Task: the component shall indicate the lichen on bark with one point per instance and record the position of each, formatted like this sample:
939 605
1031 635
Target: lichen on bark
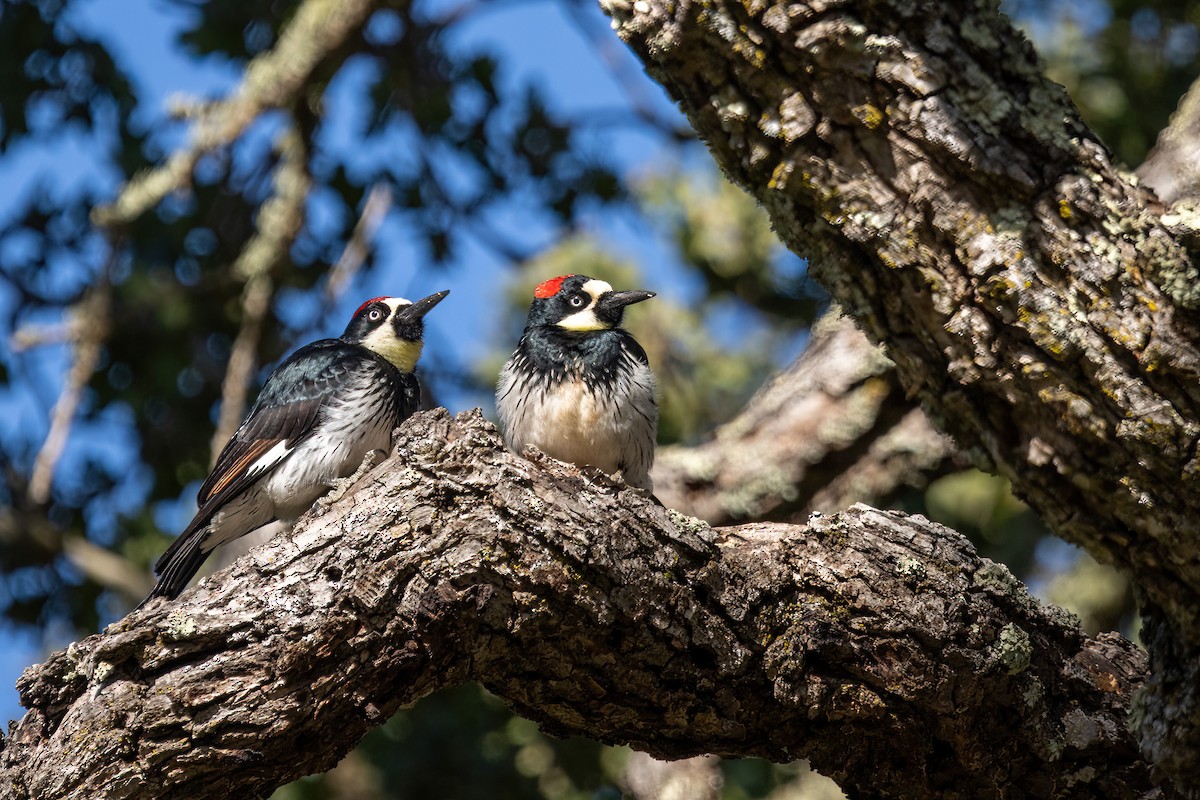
1032 294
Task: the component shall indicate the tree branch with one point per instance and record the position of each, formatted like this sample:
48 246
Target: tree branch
833 429
949 196
279 222
375 208
879 646
24 528
89 327
272 80
924 166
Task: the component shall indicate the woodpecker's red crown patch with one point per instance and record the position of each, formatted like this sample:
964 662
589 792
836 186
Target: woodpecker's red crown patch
363 307
549 288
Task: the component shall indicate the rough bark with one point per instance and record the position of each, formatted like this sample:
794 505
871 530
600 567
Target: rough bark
832 429
877 645
1034 297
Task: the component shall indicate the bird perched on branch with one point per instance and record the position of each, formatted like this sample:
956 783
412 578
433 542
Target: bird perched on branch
579 387
319 414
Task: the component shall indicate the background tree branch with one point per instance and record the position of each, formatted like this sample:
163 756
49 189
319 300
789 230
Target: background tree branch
1172 168
90 328
879 646
832 429
273 80
279 222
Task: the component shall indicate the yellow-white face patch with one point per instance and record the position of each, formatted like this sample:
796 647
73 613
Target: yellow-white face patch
585 319
383 340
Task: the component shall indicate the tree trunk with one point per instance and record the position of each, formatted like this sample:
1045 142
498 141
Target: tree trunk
879 646
1038 301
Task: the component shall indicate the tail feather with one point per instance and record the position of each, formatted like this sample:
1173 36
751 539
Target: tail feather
188 537
176 567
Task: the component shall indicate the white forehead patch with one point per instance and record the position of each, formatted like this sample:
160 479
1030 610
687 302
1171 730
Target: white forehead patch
395 303
595 288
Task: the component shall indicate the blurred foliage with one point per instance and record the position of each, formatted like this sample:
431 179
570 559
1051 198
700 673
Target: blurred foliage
52 77
465 153
1100 596
464 743
1125 63
722 234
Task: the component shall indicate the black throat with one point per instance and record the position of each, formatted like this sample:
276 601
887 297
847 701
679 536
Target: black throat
561 355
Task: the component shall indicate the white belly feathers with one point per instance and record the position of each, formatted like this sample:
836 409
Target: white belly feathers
308 468
607 429
337 447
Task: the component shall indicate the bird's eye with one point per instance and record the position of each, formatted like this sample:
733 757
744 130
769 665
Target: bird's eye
375 315
577 301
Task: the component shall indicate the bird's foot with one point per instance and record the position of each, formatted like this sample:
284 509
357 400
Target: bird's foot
646 489
601 478
339 488
646 493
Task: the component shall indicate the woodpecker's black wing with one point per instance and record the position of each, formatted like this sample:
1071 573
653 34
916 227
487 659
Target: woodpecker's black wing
287 410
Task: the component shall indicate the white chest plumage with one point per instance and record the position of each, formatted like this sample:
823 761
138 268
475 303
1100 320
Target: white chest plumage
304 471
361 421
610 427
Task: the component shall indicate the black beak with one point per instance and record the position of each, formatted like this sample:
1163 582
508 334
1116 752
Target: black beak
611 301
419 309
610 306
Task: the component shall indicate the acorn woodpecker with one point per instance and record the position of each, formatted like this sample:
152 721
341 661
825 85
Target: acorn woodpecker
318 415
578 387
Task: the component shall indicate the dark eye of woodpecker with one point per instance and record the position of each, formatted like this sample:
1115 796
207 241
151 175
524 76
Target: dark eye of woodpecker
577 301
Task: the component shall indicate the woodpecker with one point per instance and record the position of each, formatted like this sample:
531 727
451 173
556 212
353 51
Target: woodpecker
579 387
320 412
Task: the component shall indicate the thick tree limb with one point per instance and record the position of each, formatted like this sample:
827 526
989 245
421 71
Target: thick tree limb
832 429
879 646
948 195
